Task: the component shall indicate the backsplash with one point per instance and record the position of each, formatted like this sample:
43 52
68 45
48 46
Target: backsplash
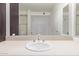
42 37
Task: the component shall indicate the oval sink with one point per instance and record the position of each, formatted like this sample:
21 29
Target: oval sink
38 46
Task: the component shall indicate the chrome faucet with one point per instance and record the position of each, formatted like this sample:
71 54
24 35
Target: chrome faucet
38 36
38 39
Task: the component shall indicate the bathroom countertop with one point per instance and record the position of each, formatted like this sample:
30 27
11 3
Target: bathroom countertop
58 48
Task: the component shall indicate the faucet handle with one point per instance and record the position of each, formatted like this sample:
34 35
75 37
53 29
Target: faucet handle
38 36
33 40
43 40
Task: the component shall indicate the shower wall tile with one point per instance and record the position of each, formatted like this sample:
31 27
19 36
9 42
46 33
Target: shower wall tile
23 20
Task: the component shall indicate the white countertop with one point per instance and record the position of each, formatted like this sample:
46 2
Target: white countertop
58 48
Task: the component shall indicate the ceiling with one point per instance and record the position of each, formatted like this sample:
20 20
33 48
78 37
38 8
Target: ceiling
38 7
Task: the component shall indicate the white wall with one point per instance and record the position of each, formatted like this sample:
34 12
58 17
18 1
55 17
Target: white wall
72 19
7 19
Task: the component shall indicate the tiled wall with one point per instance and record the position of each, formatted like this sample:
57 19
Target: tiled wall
23 25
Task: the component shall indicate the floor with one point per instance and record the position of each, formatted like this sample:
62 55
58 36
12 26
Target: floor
58 48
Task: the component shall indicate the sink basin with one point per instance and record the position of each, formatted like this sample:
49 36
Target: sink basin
38 46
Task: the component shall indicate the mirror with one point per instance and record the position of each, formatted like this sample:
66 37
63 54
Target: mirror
66 20
42 18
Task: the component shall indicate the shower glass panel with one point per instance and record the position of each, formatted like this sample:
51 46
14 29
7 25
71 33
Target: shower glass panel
77 19
66 20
